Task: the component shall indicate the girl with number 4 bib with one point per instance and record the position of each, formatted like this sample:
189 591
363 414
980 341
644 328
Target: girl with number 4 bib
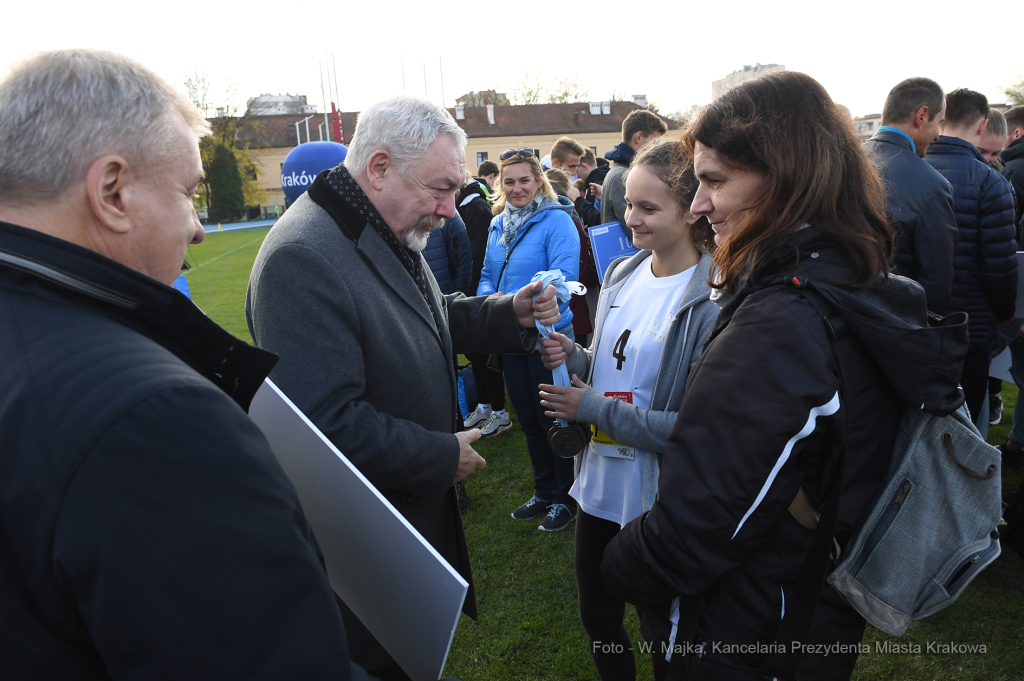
654 315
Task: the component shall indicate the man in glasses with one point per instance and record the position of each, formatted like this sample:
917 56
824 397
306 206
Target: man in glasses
341 292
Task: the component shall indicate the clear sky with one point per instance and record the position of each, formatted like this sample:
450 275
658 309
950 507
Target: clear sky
669 51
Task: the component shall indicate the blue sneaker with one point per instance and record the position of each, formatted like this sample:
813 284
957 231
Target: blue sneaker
533 508
559 517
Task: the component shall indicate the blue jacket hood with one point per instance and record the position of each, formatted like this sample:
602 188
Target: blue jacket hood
622 153
954 146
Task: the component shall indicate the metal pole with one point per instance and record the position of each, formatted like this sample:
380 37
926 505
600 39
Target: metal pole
440 67
403 71
336 90
425 93
321 66
307 127
321 127
298 137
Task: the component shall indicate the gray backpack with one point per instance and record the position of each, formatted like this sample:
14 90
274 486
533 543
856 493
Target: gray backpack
933 529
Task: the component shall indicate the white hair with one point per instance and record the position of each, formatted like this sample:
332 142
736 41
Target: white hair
405 126
61 110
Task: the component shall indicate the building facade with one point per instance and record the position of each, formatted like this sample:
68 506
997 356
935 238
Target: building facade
491 129
720 87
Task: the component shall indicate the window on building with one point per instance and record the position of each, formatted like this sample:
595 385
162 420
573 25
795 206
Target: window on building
536 152
594 149
481 156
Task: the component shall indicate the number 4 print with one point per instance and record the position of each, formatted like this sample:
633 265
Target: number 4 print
619 351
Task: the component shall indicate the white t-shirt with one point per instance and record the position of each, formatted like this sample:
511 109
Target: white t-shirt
626 367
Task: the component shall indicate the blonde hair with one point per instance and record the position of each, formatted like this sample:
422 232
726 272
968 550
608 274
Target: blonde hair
538 174
559 181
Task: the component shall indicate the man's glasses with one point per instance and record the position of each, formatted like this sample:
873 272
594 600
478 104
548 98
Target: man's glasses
509 153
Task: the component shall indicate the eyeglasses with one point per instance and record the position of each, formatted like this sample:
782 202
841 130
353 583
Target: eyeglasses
509 153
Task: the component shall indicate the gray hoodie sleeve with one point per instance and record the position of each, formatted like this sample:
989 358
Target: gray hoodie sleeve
647 429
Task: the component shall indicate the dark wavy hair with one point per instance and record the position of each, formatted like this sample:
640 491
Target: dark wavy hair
786 126
670 162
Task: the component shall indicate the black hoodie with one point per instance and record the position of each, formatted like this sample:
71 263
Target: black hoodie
475 208
758 422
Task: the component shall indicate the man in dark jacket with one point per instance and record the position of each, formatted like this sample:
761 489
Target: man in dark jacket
919 201
1012 157
148 529
590 173
365 337
449 258
985 264
474 206
638 128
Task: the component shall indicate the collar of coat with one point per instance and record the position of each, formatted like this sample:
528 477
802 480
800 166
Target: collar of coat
158 312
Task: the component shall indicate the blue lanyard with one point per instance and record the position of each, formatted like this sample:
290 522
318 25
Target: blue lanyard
554 277
888 128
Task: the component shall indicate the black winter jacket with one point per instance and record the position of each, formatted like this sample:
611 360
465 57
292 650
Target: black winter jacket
585 202
985 264
1012 158
449 257
475 208
919 202
146 528
720 527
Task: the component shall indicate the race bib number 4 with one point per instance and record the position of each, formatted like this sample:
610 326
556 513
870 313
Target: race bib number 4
605 445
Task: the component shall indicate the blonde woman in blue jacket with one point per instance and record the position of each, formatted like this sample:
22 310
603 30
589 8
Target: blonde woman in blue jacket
654 315
532 231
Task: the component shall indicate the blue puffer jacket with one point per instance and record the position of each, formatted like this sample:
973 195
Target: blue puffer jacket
547 241
449 256
985 264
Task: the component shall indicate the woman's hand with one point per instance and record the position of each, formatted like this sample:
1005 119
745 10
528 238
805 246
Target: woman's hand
556 351
560 402
573 193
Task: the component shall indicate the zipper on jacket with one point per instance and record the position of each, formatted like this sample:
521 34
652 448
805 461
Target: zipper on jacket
66 280
887 519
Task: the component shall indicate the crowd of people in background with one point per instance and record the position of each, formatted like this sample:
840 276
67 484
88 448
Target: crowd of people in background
144 515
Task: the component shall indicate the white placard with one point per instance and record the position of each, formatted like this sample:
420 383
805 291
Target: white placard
394 581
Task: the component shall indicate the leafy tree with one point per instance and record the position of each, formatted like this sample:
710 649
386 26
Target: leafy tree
225 131
529 90
1015 93
224 180
567 90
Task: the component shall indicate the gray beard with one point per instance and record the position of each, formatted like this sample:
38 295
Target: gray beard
416 240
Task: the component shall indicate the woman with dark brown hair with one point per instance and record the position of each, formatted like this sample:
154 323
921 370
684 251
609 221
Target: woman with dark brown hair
798 215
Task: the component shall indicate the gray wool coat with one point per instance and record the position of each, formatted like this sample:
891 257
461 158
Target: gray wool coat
362 357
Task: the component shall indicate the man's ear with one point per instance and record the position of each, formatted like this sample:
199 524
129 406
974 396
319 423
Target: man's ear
635 140
921 117
377 167
107 187
981 127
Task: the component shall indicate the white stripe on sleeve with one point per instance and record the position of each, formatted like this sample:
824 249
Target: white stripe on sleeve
824 410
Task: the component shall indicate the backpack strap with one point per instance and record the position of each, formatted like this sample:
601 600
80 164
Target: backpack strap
817 562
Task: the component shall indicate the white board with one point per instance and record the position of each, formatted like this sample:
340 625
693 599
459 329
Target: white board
394 581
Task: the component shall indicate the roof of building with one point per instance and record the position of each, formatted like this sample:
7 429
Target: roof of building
509 121
543 119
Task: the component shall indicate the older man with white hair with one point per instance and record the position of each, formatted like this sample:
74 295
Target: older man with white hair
146 528
340 291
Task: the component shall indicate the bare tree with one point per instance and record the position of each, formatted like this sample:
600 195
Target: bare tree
529 90
567 90
684 116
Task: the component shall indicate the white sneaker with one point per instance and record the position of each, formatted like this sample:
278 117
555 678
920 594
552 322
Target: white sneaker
477 419
496 425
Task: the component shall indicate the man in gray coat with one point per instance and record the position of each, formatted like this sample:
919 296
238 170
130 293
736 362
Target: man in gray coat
341 292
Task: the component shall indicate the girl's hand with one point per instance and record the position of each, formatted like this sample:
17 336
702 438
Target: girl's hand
562 402
556 351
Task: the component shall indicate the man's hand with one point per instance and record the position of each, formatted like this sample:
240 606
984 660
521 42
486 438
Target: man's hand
573 193
544 309
595 190
556 350
561 403
1020 331
469 461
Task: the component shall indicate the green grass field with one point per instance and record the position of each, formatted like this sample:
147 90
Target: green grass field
529 627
